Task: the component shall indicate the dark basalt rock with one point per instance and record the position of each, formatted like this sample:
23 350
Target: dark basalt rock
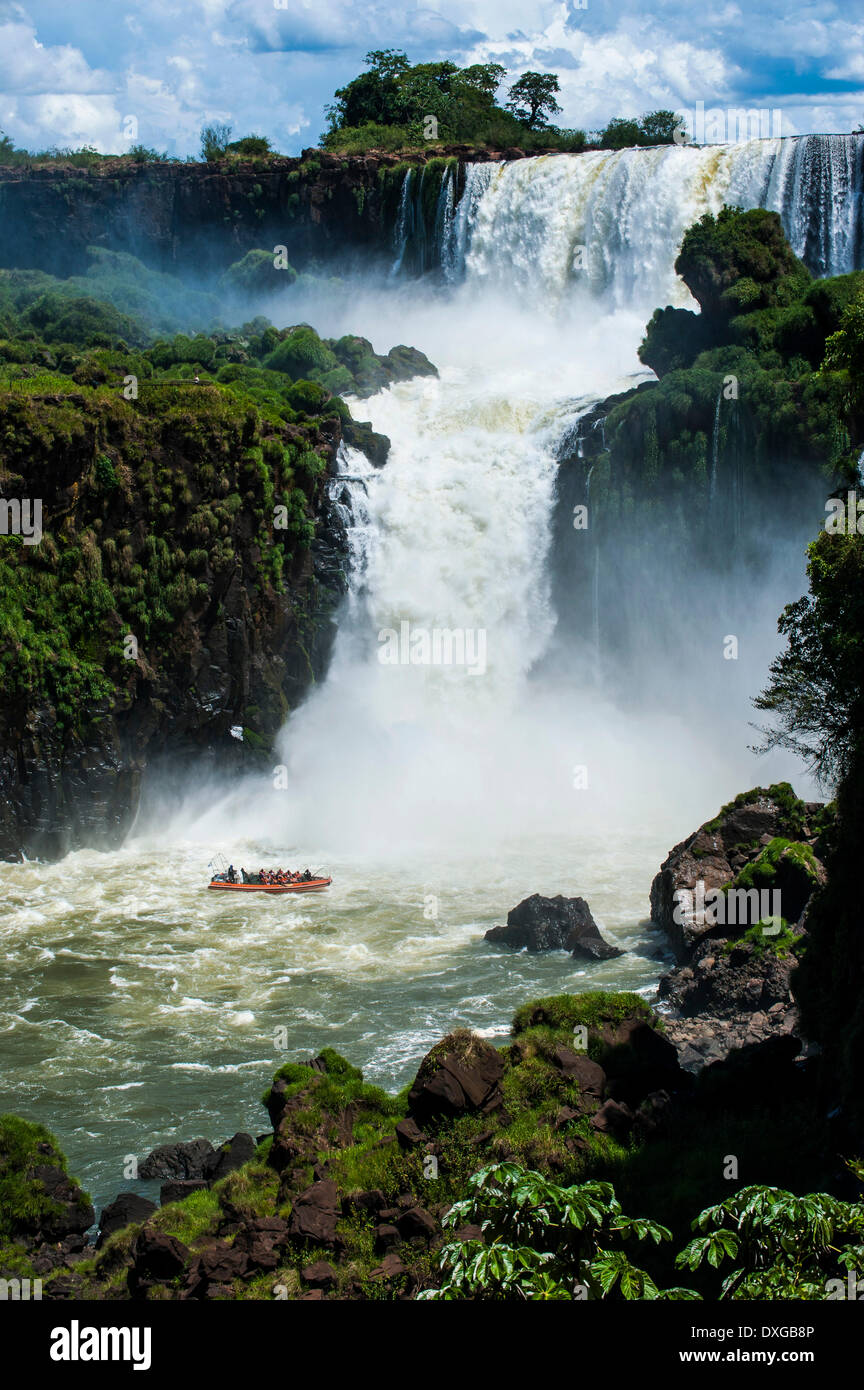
727 979
74 1216
614 1118
319 1275
637 1060
460 1075
409 1134
315 1213
371 1202
180 1161
179 1191
553 924
591 1076
157 1258
715 855
229 1157
126 1208
417 1223
391 1267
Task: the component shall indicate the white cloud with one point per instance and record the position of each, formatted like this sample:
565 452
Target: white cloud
176 63
26 65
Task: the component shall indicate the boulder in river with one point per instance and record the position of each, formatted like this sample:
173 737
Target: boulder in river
553 924
180 1161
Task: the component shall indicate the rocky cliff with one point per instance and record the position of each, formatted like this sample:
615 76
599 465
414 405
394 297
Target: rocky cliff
196 219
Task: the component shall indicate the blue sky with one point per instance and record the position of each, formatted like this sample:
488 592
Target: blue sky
112 74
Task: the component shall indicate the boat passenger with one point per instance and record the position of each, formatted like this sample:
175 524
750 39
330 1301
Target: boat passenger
232 876
306 876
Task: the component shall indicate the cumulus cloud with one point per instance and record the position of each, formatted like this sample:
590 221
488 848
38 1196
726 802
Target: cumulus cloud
75 73
27 66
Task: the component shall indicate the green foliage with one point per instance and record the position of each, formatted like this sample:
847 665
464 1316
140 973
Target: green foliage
532 98
301 354
256 273
544 1241
741 261
214 141
24 1204
654 128
594 1009
64 318
816 685
251 147
784 1247
844 354
389 106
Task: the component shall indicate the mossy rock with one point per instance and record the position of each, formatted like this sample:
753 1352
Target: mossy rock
37 1197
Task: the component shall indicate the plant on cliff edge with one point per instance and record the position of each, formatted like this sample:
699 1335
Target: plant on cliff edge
542 1241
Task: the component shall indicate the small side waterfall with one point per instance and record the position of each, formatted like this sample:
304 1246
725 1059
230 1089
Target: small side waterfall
454 247
444 212
404 224
715 448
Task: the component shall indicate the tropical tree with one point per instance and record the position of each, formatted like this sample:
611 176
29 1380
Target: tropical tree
532 98
816 685
214 140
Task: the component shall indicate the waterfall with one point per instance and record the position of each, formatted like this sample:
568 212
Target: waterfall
595 572
610 222
454 247
444 211
715 447
815 183
456 528
403 227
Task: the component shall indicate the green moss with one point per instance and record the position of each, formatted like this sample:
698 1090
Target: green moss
24 1203
566 1012
765 936
793 812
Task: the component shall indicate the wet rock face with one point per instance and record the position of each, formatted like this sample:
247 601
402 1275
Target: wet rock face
727 979
553 924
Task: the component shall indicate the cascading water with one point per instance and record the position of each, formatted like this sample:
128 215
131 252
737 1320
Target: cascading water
404 223
715 448
437 795
627 210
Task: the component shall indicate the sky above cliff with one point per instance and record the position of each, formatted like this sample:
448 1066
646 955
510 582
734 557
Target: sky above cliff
154 71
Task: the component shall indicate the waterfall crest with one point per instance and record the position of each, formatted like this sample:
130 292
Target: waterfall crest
611 222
